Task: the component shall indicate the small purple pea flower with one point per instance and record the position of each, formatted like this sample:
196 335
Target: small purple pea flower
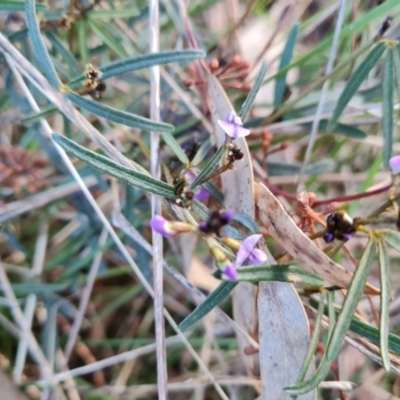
169 228
162 226
248 251
233 126
394 164
229 272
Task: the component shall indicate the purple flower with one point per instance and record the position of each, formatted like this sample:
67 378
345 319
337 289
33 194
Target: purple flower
233 126
162 226
248 251
229 272
200 193
394 163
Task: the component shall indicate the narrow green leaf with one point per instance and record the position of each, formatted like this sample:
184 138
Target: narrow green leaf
384 268
202 152
38 45
313 343
355 81
280 83
387 107
175 147
312 383
200 210
108 14
49 111
392 238
247 221
214 192
331 313
286 169
210 167
19 5
397 70
37 288
233 233
101 31
248 103
119 116
82 33
351 301
367 331
107 166
143 61
64 52
219 294
278 273
340 129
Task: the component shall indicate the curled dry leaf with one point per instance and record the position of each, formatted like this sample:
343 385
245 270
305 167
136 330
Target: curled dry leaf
284 230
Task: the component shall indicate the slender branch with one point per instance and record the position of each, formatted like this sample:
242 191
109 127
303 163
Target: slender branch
158 275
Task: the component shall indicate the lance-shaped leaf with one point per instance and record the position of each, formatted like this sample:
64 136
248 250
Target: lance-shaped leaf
384 267
280 84
248 103
19 5
119 116
278 273
343 322
102 32
310 384
49 111
351 301
340 129
143 61
210 167
38 45
391 237
396 57
248 222
355 81
365 330
108 14
214 192
202 152
67 56
387 107
313 343
107 166
219 294
175 147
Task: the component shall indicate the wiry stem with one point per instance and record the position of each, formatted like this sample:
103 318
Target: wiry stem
156 205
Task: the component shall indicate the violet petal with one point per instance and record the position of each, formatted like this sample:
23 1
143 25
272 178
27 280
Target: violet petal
162 226
230 272
394 163
246 247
